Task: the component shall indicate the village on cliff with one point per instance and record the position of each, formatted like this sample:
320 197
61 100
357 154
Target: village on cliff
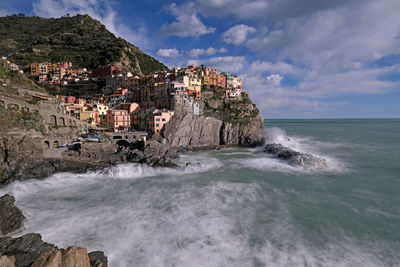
132 103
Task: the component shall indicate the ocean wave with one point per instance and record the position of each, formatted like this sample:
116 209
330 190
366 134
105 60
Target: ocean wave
307 145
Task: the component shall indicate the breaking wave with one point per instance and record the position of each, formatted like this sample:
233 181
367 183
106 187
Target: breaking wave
306 145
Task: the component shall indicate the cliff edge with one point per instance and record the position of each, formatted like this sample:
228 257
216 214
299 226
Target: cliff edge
221 123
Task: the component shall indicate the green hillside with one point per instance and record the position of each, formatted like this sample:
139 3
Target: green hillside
80 39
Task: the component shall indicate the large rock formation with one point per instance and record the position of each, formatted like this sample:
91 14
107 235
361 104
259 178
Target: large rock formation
25 249
31 250
200 132
295 157
11 217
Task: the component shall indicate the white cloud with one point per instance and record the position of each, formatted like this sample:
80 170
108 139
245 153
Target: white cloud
196 52
259 67
171 52
101 10
274 79
335 39
187 22
225 64
238 34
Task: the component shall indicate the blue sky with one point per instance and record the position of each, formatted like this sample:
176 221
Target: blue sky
298 59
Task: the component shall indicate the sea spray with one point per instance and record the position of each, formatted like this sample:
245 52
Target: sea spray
234 207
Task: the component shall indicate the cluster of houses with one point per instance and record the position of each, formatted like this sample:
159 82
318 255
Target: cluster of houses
58 73
5 62
129 102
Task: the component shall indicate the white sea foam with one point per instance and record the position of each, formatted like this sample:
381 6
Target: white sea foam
301 144
202 214
182 224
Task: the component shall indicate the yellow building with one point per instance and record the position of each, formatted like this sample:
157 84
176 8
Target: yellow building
90 116
195 84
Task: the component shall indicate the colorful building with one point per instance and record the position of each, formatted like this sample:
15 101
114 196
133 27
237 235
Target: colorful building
118 119
35 69
90 116
158 119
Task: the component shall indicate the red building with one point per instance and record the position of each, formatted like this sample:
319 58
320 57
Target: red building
104 71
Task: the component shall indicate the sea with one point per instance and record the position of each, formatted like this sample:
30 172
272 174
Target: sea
236 206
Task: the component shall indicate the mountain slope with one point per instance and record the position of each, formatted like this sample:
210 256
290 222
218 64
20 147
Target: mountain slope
80 39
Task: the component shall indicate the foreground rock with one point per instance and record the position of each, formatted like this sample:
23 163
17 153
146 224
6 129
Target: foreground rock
98 259
295 157
11 217
30 250
200 132
25 249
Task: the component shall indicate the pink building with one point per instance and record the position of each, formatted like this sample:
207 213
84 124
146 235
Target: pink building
64 65
120 91
158 119
118 119
70 99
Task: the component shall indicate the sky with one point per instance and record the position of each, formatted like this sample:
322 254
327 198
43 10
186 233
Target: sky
297 59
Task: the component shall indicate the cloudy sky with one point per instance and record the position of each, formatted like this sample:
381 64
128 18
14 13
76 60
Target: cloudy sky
298 59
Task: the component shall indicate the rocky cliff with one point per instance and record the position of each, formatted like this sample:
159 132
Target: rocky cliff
200 132
223 122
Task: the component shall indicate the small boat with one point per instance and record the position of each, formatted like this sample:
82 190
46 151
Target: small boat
95 139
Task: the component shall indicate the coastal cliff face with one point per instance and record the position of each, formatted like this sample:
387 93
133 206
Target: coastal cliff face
199 132
223 122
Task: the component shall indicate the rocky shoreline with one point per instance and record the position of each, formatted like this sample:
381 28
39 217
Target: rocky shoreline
23 156
31 250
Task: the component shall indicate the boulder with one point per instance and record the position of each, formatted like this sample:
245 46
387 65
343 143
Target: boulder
75 257
7 261
11 217
26 249
98 259
295 157
52 258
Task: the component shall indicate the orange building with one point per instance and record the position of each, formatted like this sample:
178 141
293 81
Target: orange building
35 71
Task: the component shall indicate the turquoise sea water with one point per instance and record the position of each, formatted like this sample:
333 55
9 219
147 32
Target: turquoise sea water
237 206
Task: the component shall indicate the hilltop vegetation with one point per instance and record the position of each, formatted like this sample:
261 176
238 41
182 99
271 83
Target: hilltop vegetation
11 80
79 39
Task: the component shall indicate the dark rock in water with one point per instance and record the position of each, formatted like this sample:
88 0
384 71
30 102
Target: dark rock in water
26 249
11 217
295 157
98 259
